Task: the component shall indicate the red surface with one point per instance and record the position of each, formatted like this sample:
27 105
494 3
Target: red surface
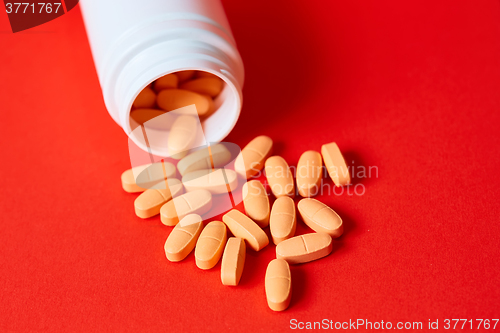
412 88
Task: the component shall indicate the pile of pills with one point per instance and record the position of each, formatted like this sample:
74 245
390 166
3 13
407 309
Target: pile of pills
174 91
182 203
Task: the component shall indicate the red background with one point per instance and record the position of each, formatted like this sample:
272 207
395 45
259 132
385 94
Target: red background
411 87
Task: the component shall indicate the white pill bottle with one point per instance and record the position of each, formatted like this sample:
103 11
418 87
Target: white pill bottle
135 42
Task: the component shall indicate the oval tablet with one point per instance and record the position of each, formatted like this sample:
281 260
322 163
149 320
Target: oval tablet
210 245
279 177
143 117
205 74
149 202
335 164
145 99
211 86
233 261
142 177
182 136
320 218
283 220
243 227
308 175
211 105
216 182
278 285
182 239
173 99
251 159
169 81
196 202
304 248
256 202
185 75
200 159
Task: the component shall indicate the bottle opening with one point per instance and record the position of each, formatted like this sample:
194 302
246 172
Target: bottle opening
216 100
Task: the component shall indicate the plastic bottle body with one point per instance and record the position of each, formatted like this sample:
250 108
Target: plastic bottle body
135 42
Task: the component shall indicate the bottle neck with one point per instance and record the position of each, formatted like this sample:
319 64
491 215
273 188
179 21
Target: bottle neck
172 55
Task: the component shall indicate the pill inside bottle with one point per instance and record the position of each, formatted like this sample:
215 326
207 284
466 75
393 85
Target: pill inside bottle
155 106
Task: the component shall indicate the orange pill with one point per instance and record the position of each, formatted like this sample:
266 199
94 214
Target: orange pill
309 169
185 75
304 248
201 159
182 136
283 221
251 159
215 181
210 245
143 116
243 227
196 202
279 177
256 202
173 99
278 284
211 105
142 177
205 74
211 86
320 218
149 202
183 237
169 81
233 261
145 99
335 164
